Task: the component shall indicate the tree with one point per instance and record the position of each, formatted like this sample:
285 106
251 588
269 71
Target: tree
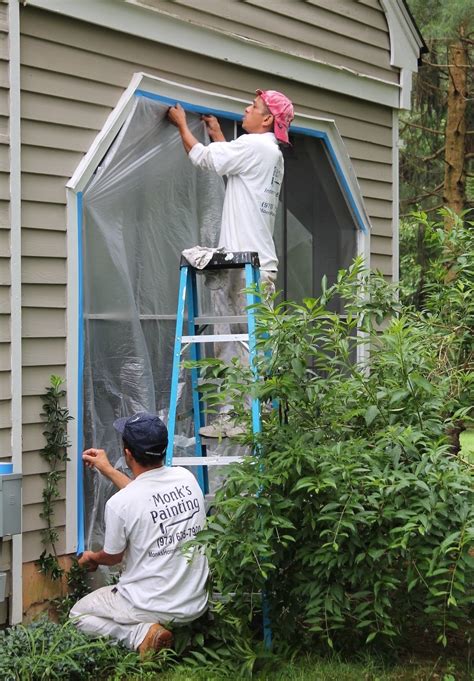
438 133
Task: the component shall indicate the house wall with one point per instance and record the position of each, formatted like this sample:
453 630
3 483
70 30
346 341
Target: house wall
72 75
345 33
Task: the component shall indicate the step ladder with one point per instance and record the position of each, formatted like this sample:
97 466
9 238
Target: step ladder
196 324
188 310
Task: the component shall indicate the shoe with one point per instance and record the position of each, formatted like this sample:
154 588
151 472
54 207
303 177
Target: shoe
156 639
217 428
223 426
234 430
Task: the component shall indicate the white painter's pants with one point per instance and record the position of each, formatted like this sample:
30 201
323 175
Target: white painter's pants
105 612
230 301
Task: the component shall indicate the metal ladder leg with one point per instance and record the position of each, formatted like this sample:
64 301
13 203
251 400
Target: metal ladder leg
195 351
183 282
252 277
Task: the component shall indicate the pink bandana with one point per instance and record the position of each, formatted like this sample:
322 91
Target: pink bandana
282 111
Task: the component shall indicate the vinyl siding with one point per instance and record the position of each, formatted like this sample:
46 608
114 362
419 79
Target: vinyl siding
72 76
344 33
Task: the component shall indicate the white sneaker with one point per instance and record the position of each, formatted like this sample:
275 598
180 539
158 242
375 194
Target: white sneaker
233 429
218 428
223 426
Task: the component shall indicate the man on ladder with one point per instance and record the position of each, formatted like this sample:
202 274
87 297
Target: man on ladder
253 164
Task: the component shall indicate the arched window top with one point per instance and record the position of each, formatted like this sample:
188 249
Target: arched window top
205 101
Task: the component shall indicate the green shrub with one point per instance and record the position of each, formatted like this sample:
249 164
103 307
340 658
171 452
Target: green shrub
45 651
356 518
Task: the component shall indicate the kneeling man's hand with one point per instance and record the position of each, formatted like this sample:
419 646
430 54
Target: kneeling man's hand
87 561
97 458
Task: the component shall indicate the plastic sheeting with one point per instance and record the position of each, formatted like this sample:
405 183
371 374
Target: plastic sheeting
144 205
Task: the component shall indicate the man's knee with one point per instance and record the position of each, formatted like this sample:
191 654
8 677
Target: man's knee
76 610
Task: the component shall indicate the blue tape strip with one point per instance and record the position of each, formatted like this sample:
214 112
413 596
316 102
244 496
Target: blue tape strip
80 377
189 106
338 169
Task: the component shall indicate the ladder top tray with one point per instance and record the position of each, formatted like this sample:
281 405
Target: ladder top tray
227 260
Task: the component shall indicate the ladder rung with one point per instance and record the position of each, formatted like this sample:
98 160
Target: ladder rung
242 319
215 338
206 460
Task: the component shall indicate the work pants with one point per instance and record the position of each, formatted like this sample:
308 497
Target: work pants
229 300
105 612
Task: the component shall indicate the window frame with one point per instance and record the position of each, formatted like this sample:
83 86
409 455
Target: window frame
200 101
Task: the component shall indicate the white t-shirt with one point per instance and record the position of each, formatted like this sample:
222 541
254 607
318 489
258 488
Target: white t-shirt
253 164
152 518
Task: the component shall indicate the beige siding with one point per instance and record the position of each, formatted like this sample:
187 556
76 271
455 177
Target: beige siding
72 77
340 32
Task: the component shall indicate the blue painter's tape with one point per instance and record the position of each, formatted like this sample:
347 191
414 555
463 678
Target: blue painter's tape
338 170
308 131
80 376
189 106
6 468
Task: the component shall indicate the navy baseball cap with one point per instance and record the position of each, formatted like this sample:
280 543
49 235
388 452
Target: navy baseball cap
143 432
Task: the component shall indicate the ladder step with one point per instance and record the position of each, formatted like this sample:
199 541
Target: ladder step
206 460
216 338
242 319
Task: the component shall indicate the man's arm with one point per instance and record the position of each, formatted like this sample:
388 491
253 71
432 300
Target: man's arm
92 559
97 458
214 129
177 116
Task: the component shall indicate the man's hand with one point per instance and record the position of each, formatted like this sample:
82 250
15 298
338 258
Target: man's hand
97 458
87 561
177 116
213 128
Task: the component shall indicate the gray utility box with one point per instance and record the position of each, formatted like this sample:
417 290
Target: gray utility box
10 504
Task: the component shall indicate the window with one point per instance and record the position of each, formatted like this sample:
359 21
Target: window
139 203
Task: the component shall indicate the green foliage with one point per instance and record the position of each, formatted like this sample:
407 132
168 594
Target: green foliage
356 517
45 651
77 588
437 278
441 19
55 454
423 128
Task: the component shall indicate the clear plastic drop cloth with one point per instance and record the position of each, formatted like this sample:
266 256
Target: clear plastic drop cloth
144 205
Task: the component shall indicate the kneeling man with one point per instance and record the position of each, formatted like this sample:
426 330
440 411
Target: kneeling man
147 523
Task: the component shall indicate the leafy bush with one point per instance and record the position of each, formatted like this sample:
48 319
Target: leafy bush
356 518
434 261
44 651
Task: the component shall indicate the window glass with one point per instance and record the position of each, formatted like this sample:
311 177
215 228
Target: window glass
316 233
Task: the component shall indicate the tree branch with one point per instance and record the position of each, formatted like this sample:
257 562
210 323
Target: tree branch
434 192
433 156
422 127
425 210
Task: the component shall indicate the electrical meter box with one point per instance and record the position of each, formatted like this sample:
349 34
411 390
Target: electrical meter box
10 504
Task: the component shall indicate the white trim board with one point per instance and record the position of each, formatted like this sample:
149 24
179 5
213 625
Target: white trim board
405 46
72 373
16 608
395 198
161 27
